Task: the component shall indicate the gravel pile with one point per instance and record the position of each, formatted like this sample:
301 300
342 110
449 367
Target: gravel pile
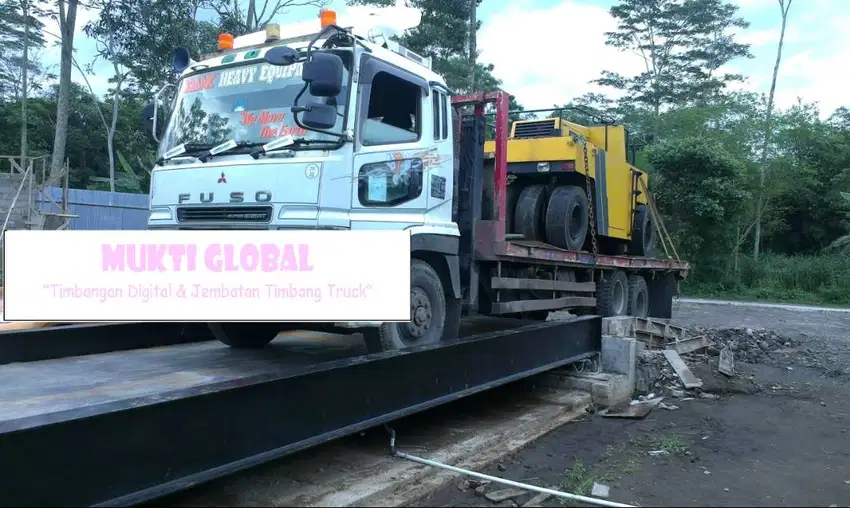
749 345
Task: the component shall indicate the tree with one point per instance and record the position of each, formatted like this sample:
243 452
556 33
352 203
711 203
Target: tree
699 188
784 5
443 35
67 26
683 45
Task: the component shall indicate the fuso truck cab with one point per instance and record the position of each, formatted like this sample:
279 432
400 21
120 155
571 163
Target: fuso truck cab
317 125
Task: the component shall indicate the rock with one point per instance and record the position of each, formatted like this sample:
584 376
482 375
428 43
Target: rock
497 496
708 396
678 393
507 503
500 467
599 490
537 501
789 369
668 407
764 345
480 490
706 472
822 403
726 490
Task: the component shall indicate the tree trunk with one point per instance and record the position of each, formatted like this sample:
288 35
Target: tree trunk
768 130
252 16
67 24
24 78
473 43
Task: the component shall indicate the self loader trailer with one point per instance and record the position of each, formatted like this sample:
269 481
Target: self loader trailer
330 125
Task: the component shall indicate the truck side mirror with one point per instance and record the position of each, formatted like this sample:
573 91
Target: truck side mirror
318 116
281 56
323 72
148 113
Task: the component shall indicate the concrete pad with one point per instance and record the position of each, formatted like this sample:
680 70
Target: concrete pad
349 472
605 389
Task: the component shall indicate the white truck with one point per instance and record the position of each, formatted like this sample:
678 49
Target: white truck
330 125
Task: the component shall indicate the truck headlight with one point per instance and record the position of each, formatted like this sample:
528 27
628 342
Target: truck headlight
542 167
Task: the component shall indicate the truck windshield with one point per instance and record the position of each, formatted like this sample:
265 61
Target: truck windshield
247 103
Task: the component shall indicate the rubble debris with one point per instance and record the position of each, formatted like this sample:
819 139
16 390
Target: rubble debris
658 453
497 496
749 345
668 407
635 409
538 500
599 490
688 378
726 364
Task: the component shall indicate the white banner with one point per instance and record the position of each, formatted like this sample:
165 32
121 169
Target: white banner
295 275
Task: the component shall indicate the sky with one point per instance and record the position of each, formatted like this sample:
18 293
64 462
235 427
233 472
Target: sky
544 58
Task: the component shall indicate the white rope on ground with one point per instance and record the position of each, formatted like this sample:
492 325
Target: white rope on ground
511 483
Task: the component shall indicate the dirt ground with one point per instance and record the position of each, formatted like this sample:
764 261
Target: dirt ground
774 435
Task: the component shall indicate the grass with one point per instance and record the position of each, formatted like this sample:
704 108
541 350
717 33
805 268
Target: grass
808 280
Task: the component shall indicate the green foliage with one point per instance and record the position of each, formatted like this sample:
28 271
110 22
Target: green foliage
821 279
700 190
14 24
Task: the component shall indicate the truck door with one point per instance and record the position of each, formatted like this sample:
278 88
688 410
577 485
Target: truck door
394 149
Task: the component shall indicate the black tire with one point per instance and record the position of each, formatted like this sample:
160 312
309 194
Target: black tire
566 217
638 296
245 335
528 215
643 233
428 314
612 294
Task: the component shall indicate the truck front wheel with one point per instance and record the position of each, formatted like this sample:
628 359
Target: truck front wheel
427 314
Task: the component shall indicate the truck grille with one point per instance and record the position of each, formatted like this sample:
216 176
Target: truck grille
225 214
537 129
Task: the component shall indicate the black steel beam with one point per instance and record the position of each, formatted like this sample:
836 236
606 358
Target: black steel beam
131 451
88 339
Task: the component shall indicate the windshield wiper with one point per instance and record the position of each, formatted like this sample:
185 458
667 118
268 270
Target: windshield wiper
203 151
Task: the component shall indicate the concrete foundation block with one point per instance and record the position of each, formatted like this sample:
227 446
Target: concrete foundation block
605 389
618 355
618 326
569 399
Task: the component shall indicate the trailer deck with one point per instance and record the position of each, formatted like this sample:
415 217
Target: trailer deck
131 426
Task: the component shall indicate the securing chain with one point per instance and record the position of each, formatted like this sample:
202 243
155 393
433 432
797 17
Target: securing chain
590 216
590 208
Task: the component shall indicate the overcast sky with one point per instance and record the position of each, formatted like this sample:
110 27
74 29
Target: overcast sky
522 37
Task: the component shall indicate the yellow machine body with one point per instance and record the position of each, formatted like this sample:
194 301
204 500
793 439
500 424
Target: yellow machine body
553 147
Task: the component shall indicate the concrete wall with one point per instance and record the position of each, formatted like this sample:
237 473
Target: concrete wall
9 184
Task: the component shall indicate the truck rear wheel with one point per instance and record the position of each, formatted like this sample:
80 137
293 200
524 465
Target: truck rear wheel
643 233
566 217
245 335
427 314
638 296
528 215
612 294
